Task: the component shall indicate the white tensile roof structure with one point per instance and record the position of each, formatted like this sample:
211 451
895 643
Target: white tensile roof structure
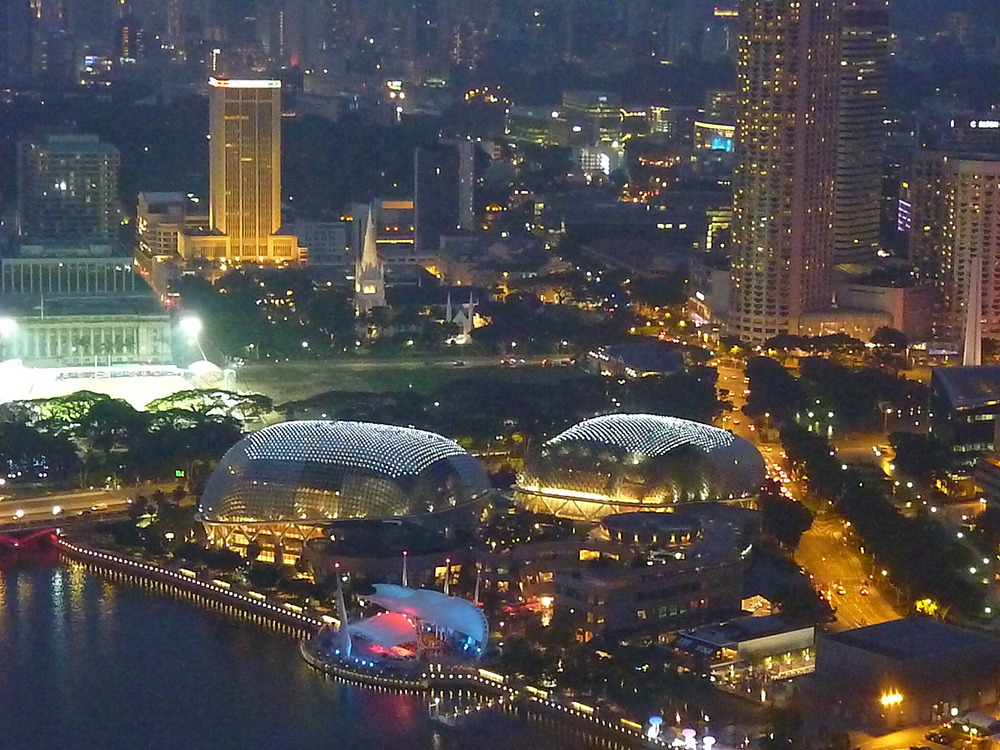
433 608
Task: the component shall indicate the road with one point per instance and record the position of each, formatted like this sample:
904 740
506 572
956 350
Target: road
15 511
901 740
832 559
837 565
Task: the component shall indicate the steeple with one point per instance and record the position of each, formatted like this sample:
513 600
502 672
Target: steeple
369 272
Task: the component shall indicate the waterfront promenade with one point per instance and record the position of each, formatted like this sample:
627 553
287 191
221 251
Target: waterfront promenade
429 678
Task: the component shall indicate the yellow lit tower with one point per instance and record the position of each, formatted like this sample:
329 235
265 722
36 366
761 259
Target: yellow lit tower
786 138
245 171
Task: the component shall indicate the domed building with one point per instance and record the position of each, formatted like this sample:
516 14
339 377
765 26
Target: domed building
628 462
281 485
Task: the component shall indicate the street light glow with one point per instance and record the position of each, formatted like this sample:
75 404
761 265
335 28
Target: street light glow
7 326
892 698
191 325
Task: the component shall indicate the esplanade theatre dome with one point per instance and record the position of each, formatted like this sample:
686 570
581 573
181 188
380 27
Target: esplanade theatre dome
627 462
286 481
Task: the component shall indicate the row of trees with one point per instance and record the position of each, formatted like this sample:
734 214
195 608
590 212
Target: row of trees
921 558
517 407
88 438
857 398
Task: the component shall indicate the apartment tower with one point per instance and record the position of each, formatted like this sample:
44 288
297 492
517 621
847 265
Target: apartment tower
783 199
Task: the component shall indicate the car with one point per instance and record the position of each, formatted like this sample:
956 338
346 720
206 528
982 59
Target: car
864 591
839 588
458 363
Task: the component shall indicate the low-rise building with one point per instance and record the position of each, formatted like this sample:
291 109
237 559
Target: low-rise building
742 642
87 331
904 672
658 573
965 403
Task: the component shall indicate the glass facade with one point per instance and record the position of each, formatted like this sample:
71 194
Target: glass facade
623 462
311 472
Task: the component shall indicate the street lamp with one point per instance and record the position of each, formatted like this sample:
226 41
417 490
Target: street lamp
191 326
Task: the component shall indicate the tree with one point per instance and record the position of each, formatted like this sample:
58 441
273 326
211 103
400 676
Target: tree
784 520
923 457
886 336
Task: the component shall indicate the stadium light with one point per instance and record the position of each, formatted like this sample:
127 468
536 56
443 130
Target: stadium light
7 326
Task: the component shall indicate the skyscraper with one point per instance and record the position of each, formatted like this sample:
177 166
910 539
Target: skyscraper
443 182
245 171
783 184
956 220
68 188
864 52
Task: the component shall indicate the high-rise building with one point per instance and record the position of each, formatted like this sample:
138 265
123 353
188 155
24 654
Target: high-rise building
786 165
443 182
244 176
864 53
68 188
956 219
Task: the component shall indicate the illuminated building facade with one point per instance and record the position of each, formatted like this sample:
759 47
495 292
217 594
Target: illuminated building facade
783 196
244 177
282 484
623 462
956 213
864 57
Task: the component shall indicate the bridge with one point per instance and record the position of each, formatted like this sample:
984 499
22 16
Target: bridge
26 539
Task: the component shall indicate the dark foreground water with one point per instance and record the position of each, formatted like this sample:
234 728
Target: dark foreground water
90 665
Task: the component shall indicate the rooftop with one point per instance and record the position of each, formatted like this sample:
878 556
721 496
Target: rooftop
64 306
969 387
739 630
913 637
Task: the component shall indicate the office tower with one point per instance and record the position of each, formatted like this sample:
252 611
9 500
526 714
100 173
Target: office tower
786 164
245 171
955 220
864 52
68 188
443 183
128 39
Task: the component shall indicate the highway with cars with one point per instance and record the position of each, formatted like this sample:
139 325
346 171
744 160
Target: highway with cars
59 506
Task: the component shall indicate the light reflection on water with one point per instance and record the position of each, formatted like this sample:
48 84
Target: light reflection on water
90 665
